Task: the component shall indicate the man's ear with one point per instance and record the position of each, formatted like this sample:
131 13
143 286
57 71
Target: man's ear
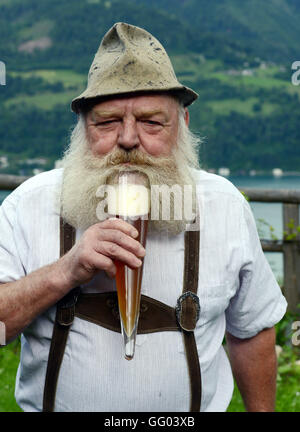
186 116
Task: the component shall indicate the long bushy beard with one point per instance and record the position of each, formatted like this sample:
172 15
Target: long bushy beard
84 173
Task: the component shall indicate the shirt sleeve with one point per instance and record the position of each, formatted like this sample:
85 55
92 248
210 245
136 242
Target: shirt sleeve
258 302
11 267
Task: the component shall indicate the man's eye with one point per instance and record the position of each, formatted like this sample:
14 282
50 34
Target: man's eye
105 123
152 122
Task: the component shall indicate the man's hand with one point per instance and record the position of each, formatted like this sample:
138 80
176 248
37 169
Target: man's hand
99 246
23 300
254 367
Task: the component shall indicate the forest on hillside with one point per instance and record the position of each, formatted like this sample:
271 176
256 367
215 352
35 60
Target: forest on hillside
236 56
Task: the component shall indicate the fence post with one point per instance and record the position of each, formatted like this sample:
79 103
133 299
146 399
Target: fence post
291 257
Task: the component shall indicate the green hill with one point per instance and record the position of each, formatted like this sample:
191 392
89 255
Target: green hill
236 55
68 36
270 29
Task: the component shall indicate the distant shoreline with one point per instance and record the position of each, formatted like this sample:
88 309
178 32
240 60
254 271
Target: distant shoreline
266 174
226 173
254 173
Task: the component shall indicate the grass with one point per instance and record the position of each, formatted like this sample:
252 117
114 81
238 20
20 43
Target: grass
287 397
260 79
9 360
188 68
288 388
288 372
67 77
264 78
224 107
44 101
74 84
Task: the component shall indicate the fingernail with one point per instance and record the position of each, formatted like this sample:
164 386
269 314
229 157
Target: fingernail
134 233
142 252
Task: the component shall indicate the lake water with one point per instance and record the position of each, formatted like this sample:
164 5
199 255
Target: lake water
271 213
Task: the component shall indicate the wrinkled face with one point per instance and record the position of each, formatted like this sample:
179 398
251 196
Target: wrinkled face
148 123
148 131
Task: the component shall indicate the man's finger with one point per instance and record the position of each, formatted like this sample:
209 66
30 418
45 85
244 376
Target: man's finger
116 223
123 240
114 251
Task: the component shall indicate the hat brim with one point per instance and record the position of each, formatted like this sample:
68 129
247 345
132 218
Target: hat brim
86 101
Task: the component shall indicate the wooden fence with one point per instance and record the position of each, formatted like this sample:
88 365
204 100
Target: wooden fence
11 182
289 245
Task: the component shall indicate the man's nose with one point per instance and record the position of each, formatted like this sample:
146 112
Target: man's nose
128 136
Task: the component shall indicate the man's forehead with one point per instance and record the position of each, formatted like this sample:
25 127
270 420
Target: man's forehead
141 105
142 111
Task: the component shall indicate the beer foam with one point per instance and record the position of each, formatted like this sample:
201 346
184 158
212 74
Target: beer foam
128 200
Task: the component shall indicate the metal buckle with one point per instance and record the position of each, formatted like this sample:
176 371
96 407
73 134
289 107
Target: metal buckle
178 308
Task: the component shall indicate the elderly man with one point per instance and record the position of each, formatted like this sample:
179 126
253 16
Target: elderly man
58 260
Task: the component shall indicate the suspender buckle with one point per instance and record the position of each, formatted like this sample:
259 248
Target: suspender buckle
188 311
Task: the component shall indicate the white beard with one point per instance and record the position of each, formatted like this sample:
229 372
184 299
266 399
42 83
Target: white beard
84 173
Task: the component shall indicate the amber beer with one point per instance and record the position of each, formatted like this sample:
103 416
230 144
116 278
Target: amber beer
129 283
131 202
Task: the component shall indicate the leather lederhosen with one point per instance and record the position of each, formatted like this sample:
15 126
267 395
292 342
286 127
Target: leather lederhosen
155 316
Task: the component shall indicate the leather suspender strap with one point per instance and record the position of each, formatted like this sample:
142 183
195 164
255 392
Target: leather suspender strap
56 353
65 313
194 370
101 309
188 307
190 314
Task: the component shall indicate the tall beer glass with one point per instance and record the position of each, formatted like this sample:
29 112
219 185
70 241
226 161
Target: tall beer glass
131 202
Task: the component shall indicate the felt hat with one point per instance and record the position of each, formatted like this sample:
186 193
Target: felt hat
131 60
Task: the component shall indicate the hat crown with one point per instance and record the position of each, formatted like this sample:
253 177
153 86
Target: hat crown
130 59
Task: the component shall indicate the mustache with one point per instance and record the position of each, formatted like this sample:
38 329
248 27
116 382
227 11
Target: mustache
136 157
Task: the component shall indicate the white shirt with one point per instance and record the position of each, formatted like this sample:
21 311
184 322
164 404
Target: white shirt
237 292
